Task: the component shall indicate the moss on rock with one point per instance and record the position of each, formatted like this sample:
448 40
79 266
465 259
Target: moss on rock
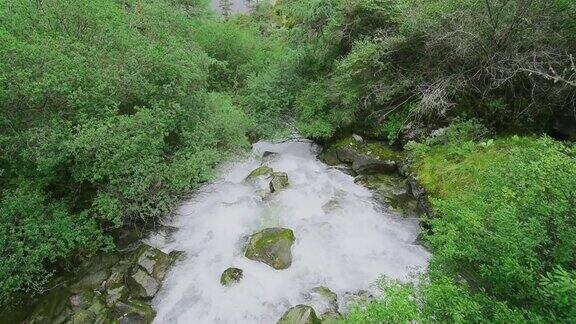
279 181
272 246
260 172
231 276
299 314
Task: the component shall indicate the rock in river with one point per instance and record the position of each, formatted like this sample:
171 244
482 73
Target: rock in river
272 246
230 276
148 272
329 297
299 314
260 172
279 181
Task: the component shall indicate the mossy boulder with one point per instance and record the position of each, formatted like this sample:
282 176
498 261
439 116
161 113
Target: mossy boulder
329 157
95 313
133 312
106 289
262 171
393 191
279 181
155 262
231 276
363 156
148 270
272 246
299 314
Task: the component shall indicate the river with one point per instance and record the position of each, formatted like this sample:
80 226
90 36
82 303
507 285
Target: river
345 240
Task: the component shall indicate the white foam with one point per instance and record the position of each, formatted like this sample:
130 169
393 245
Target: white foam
345 249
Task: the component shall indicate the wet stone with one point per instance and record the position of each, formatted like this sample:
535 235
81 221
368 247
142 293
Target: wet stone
272 246
231 276
279 181
143 285
328 295
299 314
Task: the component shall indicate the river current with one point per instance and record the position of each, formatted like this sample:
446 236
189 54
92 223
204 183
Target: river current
345 240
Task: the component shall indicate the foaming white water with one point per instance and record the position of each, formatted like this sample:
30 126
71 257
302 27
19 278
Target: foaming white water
345 247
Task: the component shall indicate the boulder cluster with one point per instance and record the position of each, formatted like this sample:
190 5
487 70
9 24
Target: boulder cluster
109 288
380 168
273 247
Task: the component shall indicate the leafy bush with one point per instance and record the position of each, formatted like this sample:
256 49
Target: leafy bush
108 114
37 236
504 216
433 300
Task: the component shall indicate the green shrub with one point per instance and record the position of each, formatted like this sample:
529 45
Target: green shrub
504 215
38 236
433 300
108 116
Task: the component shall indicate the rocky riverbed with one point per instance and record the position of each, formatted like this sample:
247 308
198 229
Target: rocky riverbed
279 236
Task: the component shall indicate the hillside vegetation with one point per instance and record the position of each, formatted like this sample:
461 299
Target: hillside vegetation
112 110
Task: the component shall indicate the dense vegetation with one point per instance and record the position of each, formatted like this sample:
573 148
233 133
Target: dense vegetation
503 232
110 110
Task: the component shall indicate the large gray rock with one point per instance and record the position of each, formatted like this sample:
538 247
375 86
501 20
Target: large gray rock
155 262
231 276
272 246
357 138
279 181
299 314
347 154
150 267
329 157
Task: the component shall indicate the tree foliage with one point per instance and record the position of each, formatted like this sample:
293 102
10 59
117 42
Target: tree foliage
109 112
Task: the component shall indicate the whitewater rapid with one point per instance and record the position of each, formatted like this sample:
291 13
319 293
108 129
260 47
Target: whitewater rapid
345 240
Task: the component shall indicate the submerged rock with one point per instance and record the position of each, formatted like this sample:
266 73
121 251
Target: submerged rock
279 181
268 155
260 172
328 295
176 255
272 246
231 276
299 314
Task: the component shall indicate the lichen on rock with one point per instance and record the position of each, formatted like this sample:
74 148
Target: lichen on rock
279 181
272 246
260 172
231 276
